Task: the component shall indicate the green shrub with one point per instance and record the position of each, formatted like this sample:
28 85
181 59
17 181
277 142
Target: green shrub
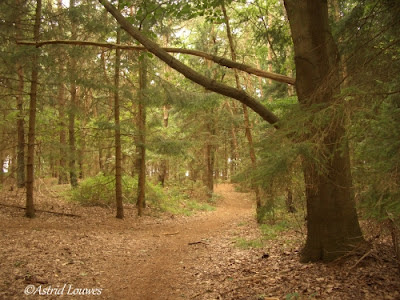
100 190
270 231
177 201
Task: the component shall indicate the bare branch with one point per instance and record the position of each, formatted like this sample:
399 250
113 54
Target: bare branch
217 59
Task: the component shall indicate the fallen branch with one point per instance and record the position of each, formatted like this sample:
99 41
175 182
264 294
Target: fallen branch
172 233
41 210
362 257
217 59
198 242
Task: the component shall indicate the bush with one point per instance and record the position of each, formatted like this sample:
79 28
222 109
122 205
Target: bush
100 190
177 201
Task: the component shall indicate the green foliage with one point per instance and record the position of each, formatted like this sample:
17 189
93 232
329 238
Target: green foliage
268 232
378 154
271 231
100 190
247 244
298 296
373 101
177 201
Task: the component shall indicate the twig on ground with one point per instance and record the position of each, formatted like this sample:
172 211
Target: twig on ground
362 257
41 210
172 233
198 242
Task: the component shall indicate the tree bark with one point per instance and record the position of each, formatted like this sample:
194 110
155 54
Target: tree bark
332 222
246 119
20 102
71 114
118 151
210 157
30 209
62 169
71 137
140 203
164 162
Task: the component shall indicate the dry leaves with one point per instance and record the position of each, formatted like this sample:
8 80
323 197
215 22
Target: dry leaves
181 258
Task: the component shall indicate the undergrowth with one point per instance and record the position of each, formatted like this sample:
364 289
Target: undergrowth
269 231
100 191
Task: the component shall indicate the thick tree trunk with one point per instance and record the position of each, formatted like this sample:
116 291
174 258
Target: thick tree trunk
332 221
20 102
118 151
30 209
140 203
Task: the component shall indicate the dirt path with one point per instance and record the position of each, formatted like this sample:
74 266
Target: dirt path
148 258
165 270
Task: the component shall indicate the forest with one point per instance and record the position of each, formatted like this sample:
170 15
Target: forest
208 149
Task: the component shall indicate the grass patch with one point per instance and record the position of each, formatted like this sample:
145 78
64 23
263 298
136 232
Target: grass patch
271 232
179 203
248 244
268 232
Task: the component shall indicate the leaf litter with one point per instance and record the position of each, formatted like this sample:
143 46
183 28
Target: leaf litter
205 256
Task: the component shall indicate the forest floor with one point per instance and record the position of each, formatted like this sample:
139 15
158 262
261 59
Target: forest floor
173 257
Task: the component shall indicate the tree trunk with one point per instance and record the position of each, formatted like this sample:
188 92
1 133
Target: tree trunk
62 170
210 158
20 109
164 162
248 134
289 201
234 142
30 209
71 137
332 221
142 136
20 130
118 151
71 114
1 171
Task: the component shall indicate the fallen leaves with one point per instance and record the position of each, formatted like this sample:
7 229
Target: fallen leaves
162 259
